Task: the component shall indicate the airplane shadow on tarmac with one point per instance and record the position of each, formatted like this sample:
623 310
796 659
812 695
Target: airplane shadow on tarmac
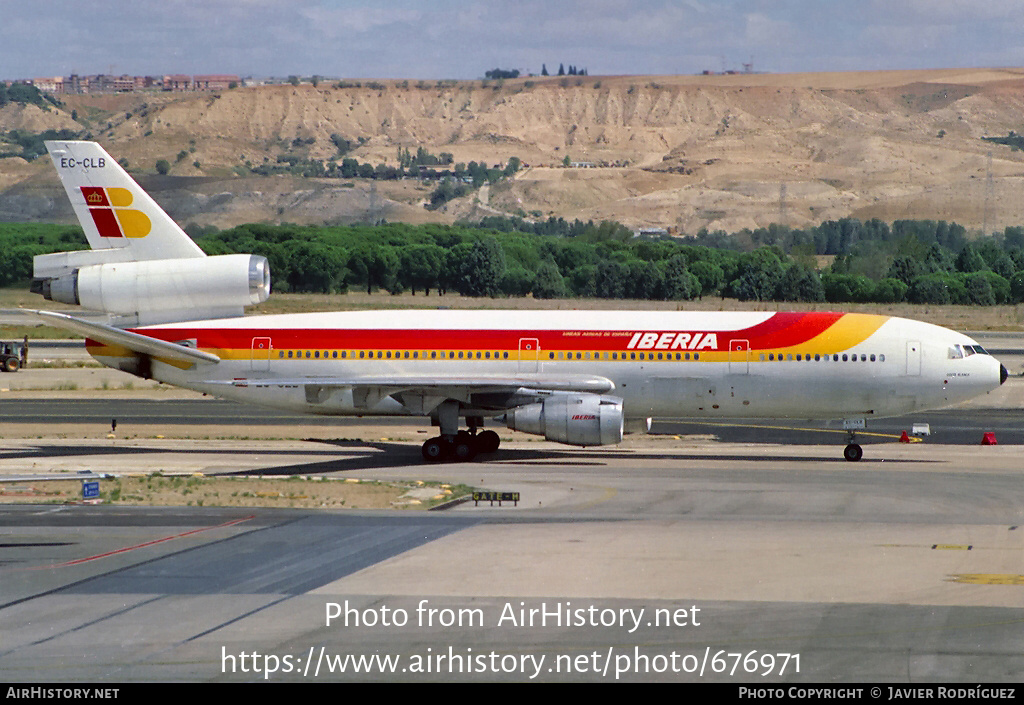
353 456
394 455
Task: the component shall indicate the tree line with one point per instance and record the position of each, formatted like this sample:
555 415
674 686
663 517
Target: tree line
558 258
563 259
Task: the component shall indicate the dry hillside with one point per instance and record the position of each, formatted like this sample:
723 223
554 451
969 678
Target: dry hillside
691 151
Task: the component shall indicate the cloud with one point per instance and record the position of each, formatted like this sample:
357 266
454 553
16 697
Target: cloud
340 21
463 38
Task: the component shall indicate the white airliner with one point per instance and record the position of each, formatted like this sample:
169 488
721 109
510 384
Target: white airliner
576 377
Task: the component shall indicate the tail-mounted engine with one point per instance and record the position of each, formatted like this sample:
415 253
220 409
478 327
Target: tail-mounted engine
158 291
576 419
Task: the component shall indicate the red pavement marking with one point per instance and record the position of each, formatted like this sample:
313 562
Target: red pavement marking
143 545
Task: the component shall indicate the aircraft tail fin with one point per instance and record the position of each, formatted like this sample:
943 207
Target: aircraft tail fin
114 211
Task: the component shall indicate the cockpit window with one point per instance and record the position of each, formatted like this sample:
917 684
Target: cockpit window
980 350
955 352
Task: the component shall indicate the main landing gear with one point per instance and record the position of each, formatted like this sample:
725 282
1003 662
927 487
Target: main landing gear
464 445
454 444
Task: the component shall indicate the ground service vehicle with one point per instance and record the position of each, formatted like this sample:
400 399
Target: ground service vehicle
13 356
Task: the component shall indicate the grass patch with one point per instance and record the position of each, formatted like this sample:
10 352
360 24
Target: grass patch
297 491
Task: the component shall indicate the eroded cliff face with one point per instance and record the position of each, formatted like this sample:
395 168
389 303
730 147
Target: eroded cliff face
684 152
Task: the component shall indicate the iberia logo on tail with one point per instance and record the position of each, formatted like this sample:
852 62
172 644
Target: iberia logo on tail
109 210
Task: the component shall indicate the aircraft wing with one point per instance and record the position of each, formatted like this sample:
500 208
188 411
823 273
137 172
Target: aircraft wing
115 336
562 383
422 394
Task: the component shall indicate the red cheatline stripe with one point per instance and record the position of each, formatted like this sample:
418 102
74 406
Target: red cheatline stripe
781 330
143 545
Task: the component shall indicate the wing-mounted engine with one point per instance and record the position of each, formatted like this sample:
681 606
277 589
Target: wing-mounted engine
576 419
159 291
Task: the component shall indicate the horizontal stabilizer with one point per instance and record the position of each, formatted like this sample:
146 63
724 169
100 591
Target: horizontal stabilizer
115 336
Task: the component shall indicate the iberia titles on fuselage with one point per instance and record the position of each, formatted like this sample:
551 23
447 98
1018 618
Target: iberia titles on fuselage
578 377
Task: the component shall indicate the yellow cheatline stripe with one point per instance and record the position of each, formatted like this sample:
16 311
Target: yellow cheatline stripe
795 428
951 547
850 330
987 578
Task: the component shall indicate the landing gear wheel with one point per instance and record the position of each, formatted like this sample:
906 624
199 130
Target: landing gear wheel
487 441
464 448
435 450
853 452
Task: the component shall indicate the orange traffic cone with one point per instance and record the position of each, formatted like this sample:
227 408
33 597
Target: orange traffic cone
905 438
989 439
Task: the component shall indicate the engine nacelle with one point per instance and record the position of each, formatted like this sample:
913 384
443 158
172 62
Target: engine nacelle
577 419
165 290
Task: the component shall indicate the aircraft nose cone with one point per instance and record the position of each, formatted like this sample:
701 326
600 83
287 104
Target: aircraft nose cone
1003 374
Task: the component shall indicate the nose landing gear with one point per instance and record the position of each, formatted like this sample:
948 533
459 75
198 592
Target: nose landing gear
853 452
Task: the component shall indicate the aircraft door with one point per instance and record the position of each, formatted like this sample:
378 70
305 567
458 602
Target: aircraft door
529 355
739 357
913 358
260 357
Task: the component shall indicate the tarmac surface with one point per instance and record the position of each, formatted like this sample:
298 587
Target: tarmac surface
743 554
907 566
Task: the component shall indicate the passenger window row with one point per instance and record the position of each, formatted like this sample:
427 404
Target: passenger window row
835 357
552 355
392 355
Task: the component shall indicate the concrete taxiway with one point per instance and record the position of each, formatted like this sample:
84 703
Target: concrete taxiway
742 553
662 560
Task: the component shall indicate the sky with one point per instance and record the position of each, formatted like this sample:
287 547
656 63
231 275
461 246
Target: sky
435 39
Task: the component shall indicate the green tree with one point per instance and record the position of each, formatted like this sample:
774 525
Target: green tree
549 283
890 291
758 275
482 268
710 276
374 265
422 267
800 283
679 284
937 289
905 268
611 280
1016 287
969 260
979 290
516 281
841 288
646 280
162 166
315 267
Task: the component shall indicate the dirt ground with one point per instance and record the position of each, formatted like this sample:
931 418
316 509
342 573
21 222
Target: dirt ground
681 152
